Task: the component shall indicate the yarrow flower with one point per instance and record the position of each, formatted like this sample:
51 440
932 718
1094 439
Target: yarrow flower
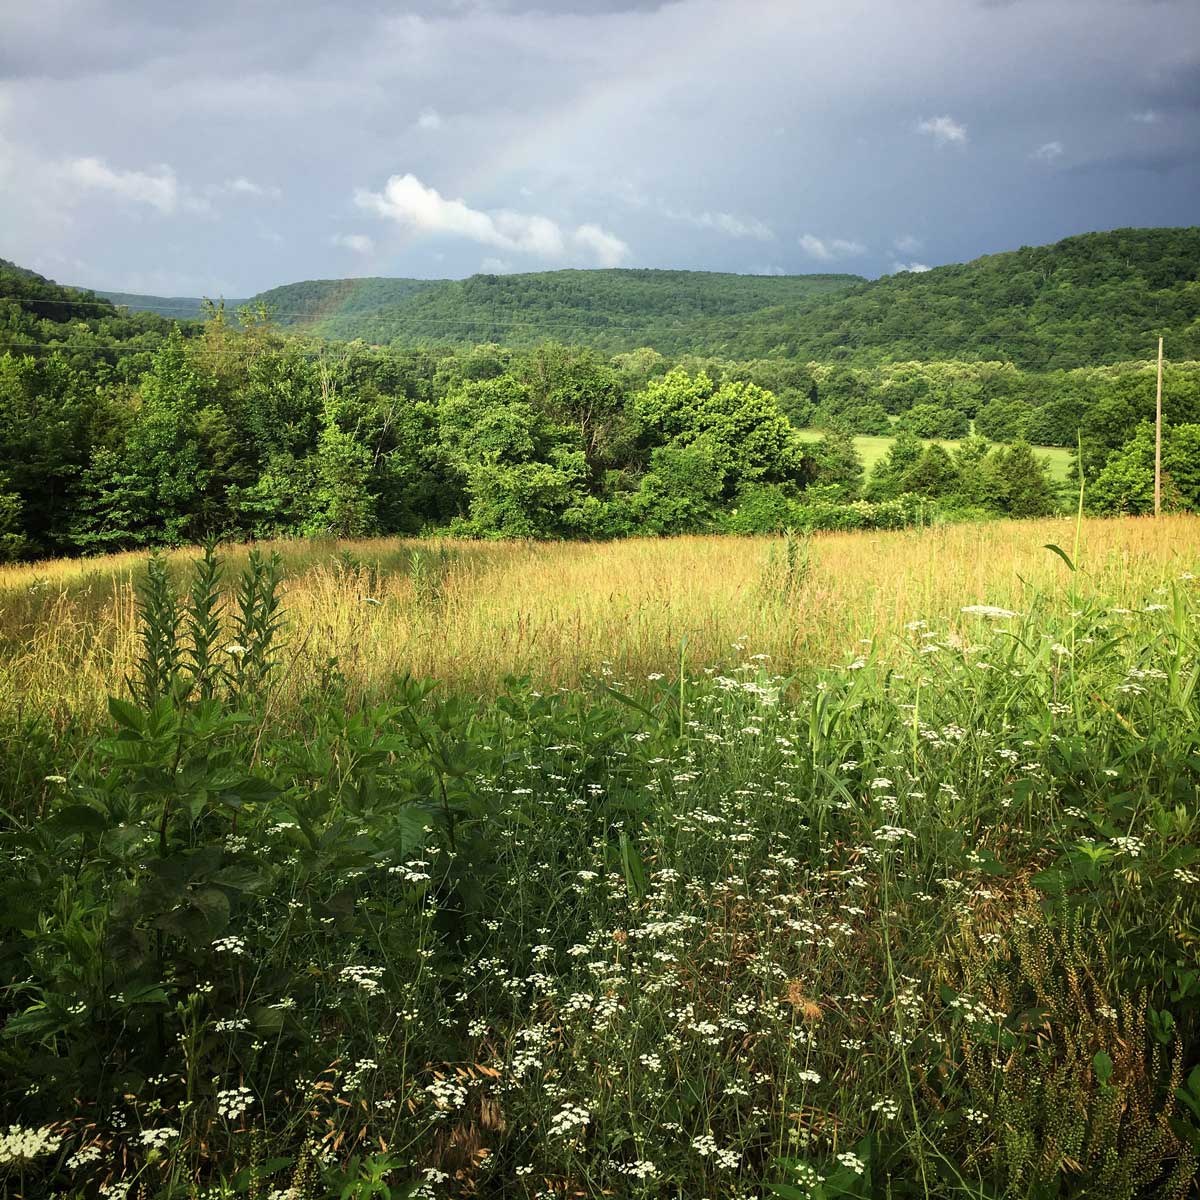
1128 845
155 1139
367 978
990 611
233 1102
447 1094
642 1169
569 1118
21 1145
83 1157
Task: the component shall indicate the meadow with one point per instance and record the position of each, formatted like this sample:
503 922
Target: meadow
873 448
861 865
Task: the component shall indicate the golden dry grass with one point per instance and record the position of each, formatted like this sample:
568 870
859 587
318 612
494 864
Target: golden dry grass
558 611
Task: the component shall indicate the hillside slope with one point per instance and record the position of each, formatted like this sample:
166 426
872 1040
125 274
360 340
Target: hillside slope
1092 299
38 315
174 308
1088 300
618 309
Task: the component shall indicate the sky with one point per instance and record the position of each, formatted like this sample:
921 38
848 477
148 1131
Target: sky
188 149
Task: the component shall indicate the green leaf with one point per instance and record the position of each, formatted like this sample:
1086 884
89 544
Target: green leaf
789 1191
1061 554
145 993
127 715
632 867
631 702
248 1176
79 818
249 788
214 904
240 878
1102 1065
37 1022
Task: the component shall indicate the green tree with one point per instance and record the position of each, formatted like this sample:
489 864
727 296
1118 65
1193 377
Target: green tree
150 489
836 465
888 474
343 503
48 424
682 490
935 421
969 460
12 537
1015 481
934 474
1004 420
1126 484
752 441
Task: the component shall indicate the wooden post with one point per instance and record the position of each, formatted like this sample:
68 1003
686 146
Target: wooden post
1158 437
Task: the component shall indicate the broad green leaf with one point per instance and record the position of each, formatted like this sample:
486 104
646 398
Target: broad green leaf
127 715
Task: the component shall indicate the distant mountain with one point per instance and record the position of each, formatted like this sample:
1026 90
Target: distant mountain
610 309
177 308
38 315
1092 299
1088 300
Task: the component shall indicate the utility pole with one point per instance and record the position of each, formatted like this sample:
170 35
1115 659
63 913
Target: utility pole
1158 437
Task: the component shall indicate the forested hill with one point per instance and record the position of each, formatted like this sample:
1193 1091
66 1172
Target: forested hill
176 308
39 316
1088 300
1093 299
616 309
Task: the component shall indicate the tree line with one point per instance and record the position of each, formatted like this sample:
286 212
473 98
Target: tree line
121 430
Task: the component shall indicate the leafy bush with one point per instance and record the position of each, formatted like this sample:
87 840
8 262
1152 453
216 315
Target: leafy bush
935 421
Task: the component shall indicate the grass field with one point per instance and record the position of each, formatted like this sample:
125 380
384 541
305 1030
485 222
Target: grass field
871 449
470 613
865 867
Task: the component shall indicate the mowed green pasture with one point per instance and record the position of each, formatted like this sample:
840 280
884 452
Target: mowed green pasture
872 448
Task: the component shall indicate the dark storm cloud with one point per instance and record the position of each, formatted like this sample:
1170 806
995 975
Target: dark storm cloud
1177 86
1157 162
174 147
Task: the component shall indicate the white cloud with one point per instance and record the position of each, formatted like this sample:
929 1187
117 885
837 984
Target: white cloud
358 242
723 222
241 186
495 266
408 202
1049 151
830 249
907 243
430 118
1147 117
157 188
916 268
609 250
944 130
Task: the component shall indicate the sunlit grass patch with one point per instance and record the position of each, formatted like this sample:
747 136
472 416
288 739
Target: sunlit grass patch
910 915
